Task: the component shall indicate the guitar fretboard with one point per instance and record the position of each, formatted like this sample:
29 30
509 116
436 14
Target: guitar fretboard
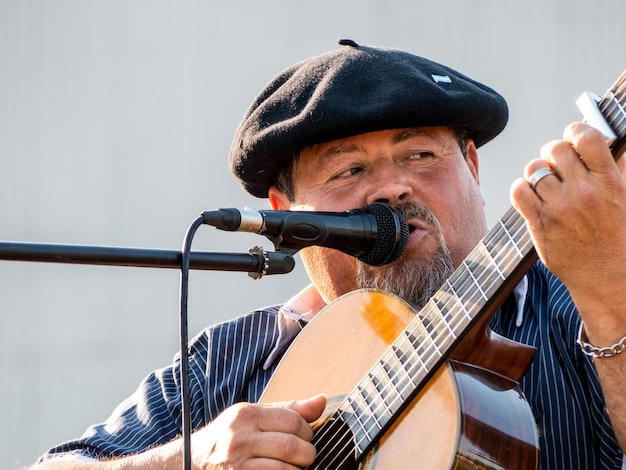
613 108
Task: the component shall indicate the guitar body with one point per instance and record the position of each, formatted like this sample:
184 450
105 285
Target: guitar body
464 417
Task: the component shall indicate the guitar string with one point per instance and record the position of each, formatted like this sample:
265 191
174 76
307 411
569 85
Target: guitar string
612 106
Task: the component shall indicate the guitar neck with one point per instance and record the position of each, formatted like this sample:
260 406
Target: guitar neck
613 108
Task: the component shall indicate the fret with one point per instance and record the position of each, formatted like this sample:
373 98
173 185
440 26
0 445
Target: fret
502 256
493 270
397 372
497 260
441 322
503 246
382 389
466 288
618 114
483 274
612 107
462 307
512 241
358 417
470 269
462 310
457 318
405 353
393 380
424 346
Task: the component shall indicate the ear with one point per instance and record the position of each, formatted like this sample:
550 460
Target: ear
472 160
278 199
472 163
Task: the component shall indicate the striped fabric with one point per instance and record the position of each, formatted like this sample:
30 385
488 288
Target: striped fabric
227 366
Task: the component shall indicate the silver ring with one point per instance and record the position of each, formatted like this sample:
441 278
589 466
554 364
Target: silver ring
540 174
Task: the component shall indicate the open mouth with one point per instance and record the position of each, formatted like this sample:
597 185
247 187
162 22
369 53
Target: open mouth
418 229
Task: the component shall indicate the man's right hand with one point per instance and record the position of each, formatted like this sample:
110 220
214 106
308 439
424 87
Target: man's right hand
253 436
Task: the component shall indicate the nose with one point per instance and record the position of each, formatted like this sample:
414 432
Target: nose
391 185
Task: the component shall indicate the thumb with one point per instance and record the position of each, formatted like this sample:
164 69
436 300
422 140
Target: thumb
311 408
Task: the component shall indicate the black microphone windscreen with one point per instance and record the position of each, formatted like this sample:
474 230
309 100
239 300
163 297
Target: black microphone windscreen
392 237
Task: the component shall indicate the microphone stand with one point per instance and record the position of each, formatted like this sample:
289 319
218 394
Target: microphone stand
257 263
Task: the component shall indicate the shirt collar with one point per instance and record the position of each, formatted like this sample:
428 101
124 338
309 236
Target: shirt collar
520 292
301 307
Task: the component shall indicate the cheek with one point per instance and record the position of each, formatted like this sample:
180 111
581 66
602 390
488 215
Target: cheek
468 225
329 200
332 271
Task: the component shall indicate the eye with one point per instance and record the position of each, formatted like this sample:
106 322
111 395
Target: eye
421 155
351 171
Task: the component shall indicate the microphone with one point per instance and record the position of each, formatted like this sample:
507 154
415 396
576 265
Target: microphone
375 234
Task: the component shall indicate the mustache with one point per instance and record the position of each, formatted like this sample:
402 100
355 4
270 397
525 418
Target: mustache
413 277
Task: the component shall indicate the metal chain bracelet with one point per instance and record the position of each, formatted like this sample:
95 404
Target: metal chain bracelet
596 352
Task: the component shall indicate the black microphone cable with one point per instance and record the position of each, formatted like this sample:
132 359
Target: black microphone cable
284 265
184 340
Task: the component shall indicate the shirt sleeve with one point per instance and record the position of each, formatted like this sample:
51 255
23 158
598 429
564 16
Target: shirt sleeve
225 367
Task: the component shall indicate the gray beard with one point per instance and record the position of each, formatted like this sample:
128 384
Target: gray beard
414 281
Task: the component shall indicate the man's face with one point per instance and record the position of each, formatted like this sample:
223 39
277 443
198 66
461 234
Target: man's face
421 170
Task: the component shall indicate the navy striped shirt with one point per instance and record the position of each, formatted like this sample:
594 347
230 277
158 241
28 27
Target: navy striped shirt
232 362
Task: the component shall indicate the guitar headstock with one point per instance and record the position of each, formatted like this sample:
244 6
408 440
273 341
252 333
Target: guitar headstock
608 114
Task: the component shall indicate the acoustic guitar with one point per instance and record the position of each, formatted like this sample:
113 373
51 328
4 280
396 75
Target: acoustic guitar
433 389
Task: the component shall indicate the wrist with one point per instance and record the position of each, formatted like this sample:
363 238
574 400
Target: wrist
599 351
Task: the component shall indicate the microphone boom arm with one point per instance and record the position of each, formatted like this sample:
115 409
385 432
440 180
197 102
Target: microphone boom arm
256 263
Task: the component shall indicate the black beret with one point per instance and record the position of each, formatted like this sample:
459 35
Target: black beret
351 91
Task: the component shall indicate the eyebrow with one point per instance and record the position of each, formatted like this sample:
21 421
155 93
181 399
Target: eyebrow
341 149
413 132
398 138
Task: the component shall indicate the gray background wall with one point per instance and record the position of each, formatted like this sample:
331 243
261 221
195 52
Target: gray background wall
115 122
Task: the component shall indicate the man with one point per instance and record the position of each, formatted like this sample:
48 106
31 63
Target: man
361 125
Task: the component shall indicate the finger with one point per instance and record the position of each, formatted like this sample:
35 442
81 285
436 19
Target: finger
291 417
268 464
282 420
591 145
282 447
621 165
311 408
561 156
537 173
526 192
301 412
524 199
